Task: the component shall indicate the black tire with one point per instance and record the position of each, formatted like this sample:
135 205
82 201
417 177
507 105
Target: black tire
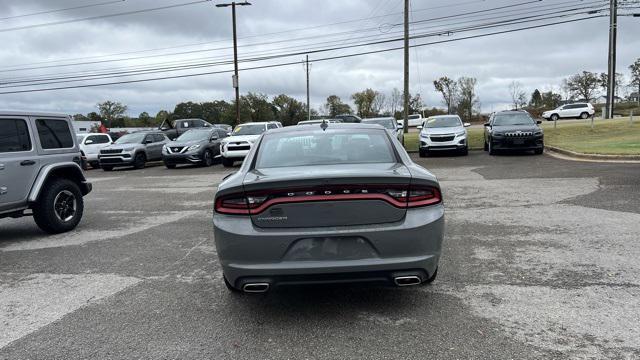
95 164
554 117
486 146
59 207
227 162
170 166
423 153
107 167
490 149
584 116
207 158
464 151
432 278
139 161
538 151
229 286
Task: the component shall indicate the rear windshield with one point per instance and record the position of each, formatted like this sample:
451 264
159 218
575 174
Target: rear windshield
387 123
330 147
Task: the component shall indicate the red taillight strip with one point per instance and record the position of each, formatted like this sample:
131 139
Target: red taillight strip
409 202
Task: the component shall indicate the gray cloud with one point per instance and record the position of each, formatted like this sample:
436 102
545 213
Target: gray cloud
538 58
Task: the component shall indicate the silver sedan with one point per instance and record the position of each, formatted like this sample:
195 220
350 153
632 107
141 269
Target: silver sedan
328 203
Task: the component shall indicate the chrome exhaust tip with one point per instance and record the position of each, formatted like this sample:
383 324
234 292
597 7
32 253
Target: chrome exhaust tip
407 280
255 287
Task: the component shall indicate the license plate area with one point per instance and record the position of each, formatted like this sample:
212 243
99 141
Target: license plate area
330 249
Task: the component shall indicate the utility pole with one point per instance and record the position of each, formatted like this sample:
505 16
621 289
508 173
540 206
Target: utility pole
307 68
235 53
613 34
406 66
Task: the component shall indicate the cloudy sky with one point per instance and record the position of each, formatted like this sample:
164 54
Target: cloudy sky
44 46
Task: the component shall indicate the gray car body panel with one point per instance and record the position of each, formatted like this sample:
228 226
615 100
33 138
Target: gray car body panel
152 151
195 156
405 239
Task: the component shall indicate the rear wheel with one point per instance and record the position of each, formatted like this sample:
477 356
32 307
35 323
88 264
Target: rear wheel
227 162
107 167
229 286
139 161
59 207
584 115
432 278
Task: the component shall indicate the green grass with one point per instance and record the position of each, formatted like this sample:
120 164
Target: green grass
608 137
475 140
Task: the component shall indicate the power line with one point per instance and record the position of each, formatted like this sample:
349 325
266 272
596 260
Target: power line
274 42
521 20
34 82
60 10
61 22
297 62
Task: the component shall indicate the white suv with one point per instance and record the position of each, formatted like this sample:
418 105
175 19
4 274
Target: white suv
576 110
90 145
239 143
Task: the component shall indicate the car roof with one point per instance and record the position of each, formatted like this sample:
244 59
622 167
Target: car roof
512 112
380 118
31 113
442 116
330 126
259 122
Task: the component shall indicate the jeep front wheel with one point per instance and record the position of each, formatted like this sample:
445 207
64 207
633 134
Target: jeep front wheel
59 207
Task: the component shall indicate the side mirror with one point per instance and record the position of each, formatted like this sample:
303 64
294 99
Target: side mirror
164 128
487 125
538 122
419 127
213 138
466 124
88 142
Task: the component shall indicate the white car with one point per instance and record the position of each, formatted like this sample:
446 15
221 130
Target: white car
90 145
576 110
443 133
414 120
239 143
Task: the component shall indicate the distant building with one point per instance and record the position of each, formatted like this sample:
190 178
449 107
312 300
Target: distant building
84 127
603 99
635 96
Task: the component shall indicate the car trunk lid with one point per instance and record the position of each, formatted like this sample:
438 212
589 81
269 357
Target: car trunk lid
327 195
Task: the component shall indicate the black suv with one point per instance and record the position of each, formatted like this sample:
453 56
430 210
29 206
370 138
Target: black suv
513 130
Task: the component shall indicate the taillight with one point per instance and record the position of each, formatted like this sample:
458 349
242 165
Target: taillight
400 196
423 196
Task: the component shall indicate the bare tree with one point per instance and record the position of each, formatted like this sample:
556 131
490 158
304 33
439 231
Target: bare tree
448 88
378 103
468 100
395 101
518 95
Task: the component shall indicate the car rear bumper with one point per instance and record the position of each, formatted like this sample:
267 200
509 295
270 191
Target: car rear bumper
329 254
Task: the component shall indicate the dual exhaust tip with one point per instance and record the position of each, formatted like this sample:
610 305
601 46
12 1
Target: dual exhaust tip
262 287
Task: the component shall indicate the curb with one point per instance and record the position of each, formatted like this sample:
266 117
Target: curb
576 156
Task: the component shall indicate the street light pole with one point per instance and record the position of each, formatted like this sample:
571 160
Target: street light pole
236 84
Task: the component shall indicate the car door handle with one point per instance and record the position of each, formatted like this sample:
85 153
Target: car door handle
3 190
27 163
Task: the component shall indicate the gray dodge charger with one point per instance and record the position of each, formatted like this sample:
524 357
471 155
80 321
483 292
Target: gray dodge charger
329 203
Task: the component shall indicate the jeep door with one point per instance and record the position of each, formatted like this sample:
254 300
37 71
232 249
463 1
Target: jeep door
19 163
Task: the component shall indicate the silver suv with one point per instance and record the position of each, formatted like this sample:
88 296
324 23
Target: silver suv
133 149
40 171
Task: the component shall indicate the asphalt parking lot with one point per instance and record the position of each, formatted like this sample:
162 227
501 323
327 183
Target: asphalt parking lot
540 261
